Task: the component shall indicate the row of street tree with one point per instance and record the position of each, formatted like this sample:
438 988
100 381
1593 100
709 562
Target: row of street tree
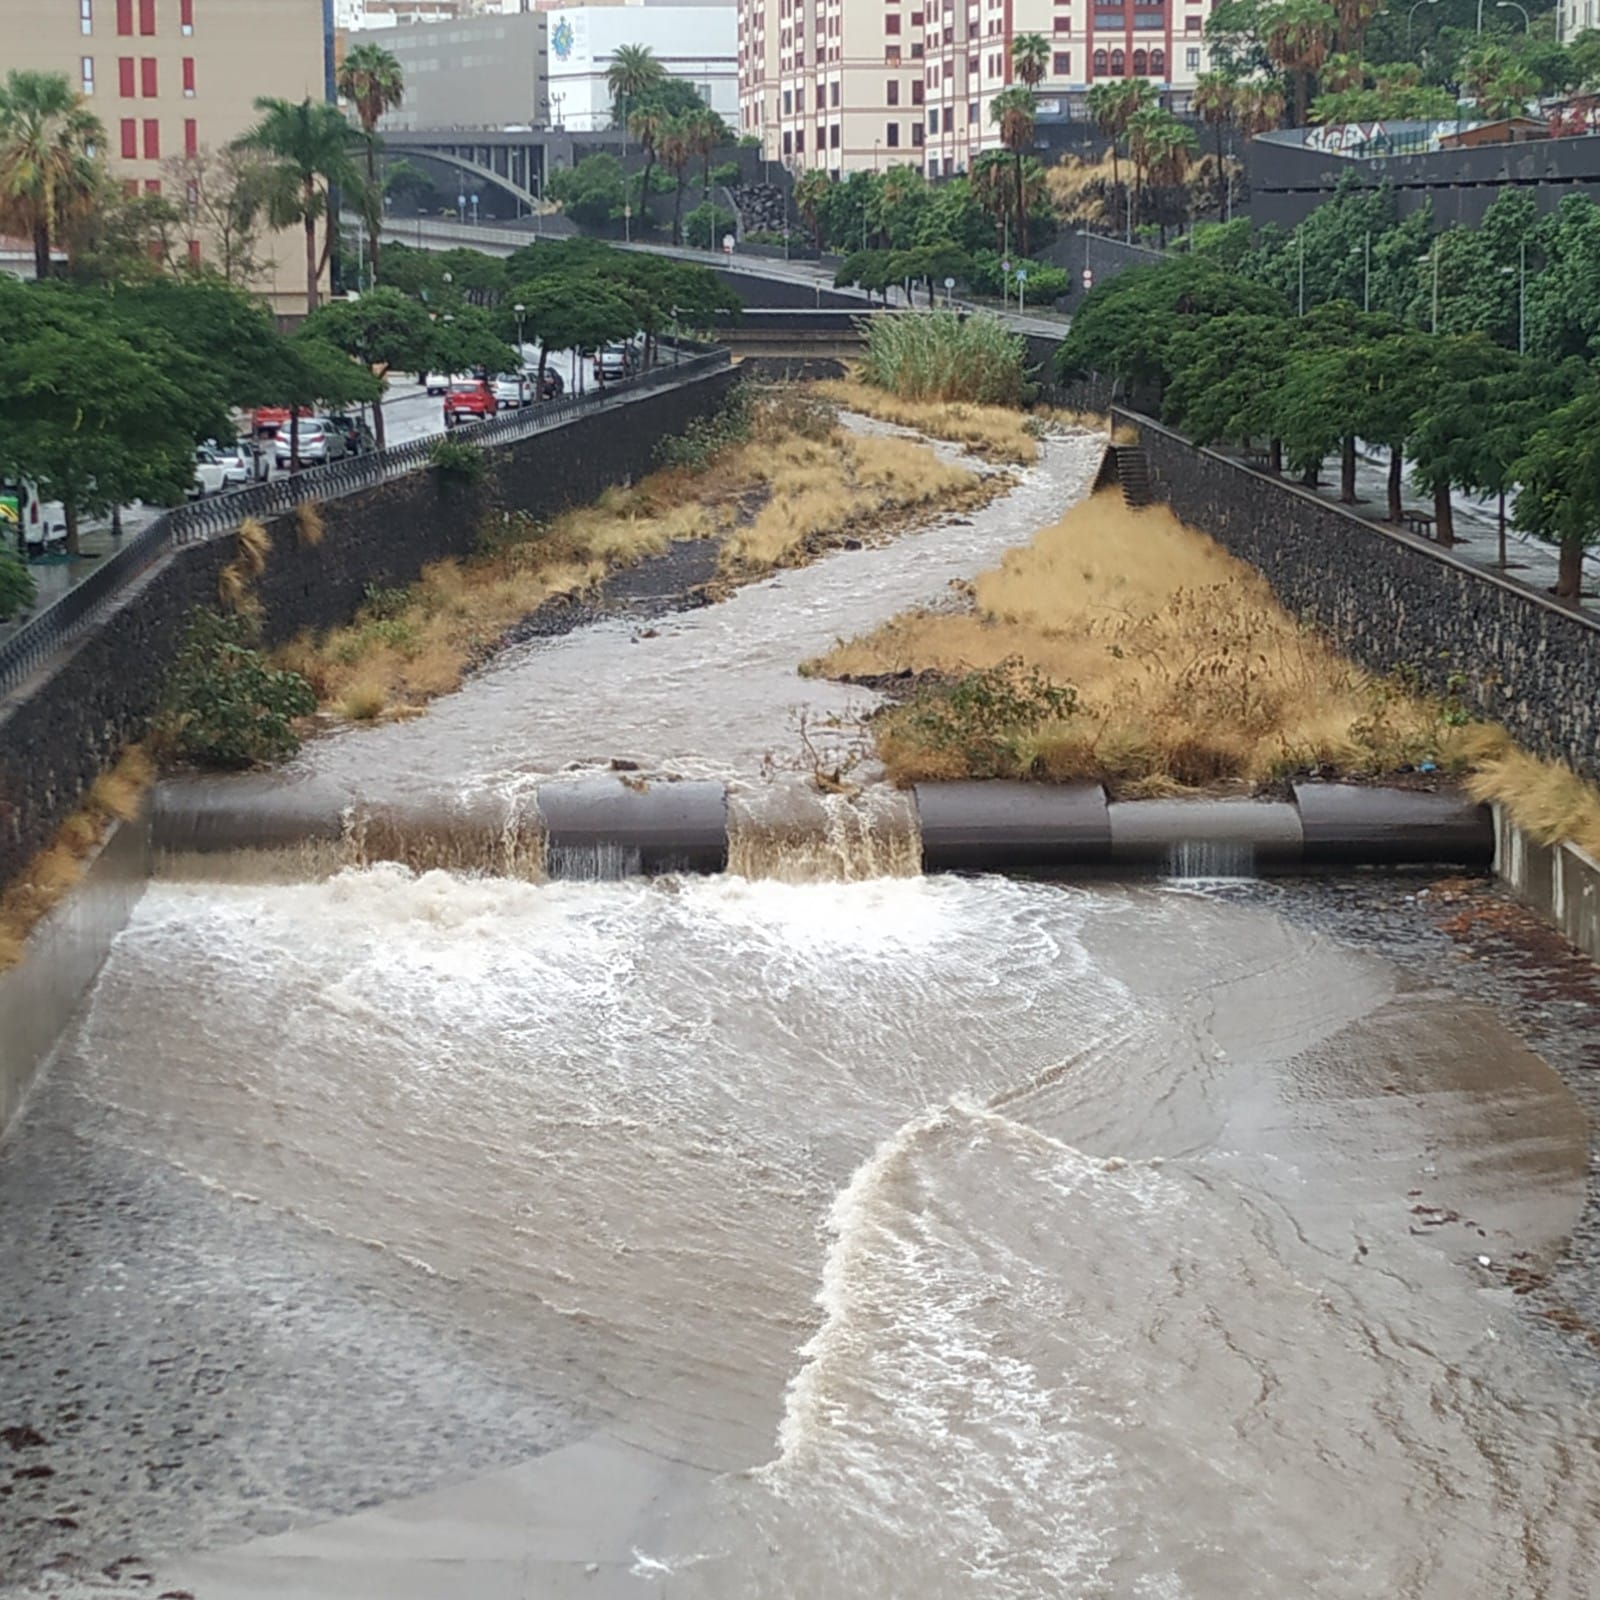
1227 357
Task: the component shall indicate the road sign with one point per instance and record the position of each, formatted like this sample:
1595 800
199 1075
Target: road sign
949 283
1022 275
727 244
1005 266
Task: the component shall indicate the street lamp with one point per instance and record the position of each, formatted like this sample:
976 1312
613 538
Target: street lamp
1522 295
1410 15
1503 5
518 311
1433 256
1300 241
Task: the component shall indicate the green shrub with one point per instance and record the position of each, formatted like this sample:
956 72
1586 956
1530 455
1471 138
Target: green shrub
727 174
1044 284
944 355
380 603
705 436
458 461
18 591
706 224
983 721
223 706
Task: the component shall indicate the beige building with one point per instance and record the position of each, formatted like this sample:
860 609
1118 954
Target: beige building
847 84
170 78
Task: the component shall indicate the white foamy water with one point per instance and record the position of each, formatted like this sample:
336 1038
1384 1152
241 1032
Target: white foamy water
942 1237
711 692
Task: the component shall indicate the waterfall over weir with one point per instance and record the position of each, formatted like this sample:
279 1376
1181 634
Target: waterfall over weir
596 828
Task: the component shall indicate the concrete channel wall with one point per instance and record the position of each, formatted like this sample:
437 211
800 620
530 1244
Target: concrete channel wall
65 725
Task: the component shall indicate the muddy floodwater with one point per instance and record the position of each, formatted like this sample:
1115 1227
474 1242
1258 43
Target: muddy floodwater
436 1234
919 1236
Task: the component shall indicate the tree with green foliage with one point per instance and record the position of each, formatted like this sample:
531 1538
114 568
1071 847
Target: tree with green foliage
1015 113
645 125
582 314
1030 58
406 183
225 198
592 193
677 150
1563 297
1213 101
811 194
1112 106
705 226
49 170
1298 35
371 80
382 330
1559 474
631 75
96 411
311 149
1226 374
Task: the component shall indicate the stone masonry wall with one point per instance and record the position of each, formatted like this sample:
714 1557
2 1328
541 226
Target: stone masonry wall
1393 602
63 728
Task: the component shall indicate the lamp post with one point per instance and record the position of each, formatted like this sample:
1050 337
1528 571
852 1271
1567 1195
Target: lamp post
1522 295
1433 256
1504 5
1411 14
1366 274
1300 241
519 310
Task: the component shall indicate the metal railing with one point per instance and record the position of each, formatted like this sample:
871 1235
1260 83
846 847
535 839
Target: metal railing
69 616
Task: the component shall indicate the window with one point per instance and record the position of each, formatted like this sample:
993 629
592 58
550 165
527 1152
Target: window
124 18
833 136
916 92
916 19
125 77
972 113
892 92
147 78
1063 22
933 119
891 52
1119 64
147 16
972 66
86 67
1141 64
188 76
891 26
191 193
1158 63
130 139
186 17
933 167
130 187
892 135
194 252
86 16
799 141
1193 24
788 144
833 93
1191 59
788 102
152 186
822 97
1063 63
1102 64
916 134
152 139
191 137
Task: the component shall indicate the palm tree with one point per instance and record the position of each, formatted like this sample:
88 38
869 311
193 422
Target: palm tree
990 186
49 166
1342 71
705 130
310 148
1258 108
1030 58
676 149
1162 146
1113 106
1297 35
634 71
1214 102
1013 111
810 196
646 125
1355 17
371 80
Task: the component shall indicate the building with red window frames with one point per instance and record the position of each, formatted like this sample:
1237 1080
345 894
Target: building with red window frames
170 79
847 85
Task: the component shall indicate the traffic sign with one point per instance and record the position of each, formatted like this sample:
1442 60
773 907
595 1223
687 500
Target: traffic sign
1005 266
949 283
727 244
1088 278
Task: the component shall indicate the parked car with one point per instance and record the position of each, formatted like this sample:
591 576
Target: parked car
436 382
614 362
215 472
354 431
269 419
318 443
512 390
468 400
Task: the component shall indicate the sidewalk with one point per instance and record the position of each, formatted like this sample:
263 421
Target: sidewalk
1530 563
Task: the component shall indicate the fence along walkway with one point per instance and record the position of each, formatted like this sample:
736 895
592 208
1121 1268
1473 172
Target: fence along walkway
76 610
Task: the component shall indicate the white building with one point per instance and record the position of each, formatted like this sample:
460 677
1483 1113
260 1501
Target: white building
693 42
850 84
1574 17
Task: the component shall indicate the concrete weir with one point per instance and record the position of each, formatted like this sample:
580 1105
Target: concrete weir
609 827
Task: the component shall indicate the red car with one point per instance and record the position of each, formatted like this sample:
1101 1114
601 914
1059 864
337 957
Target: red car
469 401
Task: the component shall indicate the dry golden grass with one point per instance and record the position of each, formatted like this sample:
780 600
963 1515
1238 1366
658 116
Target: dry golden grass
1075 188
993 432
1188 672
254 545
114 794
796 483
308 523
1546 799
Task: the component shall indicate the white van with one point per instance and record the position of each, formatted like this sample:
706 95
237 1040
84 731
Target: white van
33 526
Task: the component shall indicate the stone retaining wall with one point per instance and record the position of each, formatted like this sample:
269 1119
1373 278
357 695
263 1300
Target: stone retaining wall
65 726
1394 602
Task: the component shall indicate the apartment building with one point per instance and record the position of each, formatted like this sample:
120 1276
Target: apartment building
172 77
851 84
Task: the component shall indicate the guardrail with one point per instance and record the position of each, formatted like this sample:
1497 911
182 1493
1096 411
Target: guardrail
66 618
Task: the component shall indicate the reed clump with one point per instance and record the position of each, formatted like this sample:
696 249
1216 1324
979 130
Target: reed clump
945 356
995 433
1546 799
116 795
1183 671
